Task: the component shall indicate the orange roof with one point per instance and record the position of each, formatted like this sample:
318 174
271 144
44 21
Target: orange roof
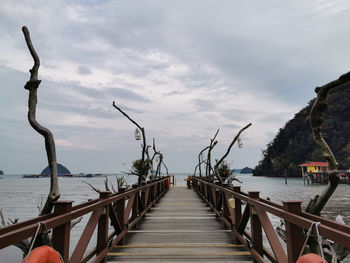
324 164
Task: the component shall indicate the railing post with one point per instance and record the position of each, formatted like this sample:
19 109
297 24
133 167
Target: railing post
209 198
294 234
150 196
218 204
256 229
102 228
61 234
225 211
160 184
120 207
156 191
135 206
143 196
237 211
238 206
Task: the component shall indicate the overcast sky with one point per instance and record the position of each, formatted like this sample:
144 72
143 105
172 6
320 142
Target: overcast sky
181 69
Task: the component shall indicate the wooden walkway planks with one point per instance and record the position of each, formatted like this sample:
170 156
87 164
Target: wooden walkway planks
180 228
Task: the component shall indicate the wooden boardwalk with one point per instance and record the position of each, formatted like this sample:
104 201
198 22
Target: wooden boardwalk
180 228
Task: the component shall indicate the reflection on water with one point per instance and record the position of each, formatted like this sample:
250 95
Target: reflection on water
20 197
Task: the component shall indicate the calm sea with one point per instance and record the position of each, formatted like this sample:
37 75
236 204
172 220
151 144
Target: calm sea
19 197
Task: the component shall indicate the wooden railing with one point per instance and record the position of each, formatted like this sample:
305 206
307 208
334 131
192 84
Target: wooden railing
236 209
122 210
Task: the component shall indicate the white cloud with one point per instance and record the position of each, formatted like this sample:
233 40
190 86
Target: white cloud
181 74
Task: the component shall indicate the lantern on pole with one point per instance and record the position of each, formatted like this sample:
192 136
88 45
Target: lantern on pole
240 143
137 134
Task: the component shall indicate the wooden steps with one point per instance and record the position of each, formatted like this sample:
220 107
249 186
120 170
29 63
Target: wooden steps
180 228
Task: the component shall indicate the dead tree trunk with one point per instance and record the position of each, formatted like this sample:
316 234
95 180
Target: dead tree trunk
159 166
155 153
316 205
211 146
142 177
32 85
200 162
216 166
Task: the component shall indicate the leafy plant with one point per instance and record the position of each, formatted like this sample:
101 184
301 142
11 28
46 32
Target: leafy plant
224 170
141 169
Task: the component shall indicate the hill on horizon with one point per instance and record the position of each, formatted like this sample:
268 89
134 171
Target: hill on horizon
294 143
60 170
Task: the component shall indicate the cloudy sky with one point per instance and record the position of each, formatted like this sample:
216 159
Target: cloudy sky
182 69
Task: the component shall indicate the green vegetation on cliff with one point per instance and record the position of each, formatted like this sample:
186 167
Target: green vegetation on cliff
294 143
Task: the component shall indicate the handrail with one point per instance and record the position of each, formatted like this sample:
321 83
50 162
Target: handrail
108 206
218 198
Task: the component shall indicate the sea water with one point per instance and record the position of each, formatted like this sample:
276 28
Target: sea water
20 197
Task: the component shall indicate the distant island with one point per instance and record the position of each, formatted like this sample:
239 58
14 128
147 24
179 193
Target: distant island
1 172
60 170
294 143
246 170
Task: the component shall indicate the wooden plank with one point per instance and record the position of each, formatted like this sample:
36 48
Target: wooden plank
193 253
178 245
180 227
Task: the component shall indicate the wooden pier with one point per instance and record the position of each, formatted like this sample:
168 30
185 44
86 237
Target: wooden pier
180 228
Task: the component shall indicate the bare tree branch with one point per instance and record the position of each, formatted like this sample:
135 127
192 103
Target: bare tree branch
120 182
32 85
75 222
3 223
106 185
228 151
159 164
199 160
93 187
15 221
211 146
316 205
22 245
113 189
195 169
143 138
155 152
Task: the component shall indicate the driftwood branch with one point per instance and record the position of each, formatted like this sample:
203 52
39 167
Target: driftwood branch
216 166
166 168
97 190
121 182
141 176
159 165
211 146
75 222
22 245
3 222
106 185
195 169
316 205
155 152
199 160
32 85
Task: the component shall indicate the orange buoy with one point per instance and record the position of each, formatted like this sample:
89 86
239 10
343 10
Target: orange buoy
310 258
43 254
